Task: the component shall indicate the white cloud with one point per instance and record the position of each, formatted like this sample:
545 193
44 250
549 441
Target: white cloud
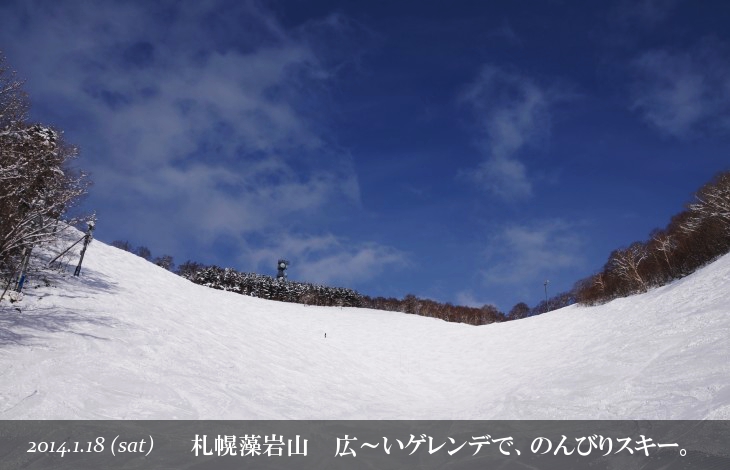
328 259
505 177
512 114
468 299
194 114
684 93
520 254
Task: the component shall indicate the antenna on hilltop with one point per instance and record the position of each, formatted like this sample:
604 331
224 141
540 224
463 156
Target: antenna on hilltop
546 298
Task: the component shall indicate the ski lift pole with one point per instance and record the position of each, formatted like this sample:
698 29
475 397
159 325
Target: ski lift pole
87 240
23 269
66 250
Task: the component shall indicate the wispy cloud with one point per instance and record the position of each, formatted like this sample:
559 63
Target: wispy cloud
522 254
684 93
467 298
196 117
512 114
328 259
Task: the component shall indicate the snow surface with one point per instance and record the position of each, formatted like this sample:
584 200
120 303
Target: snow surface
129 340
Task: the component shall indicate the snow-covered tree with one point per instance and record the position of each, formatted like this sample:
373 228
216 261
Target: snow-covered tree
626 262
713 201
37 183
520 310
37 186
143 252
164 261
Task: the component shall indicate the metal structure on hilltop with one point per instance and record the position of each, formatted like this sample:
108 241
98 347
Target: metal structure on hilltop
281 266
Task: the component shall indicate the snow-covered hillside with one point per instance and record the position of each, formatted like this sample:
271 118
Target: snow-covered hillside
131 340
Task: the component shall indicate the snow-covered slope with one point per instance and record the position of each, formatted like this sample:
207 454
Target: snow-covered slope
131 340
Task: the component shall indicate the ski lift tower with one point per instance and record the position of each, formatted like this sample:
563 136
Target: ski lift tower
87 239
281 266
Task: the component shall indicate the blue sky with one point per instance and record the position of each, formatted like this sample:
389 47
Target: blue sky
461 151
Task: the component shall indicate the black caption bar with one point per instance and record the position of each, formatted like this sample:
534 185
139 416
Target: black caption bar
383 445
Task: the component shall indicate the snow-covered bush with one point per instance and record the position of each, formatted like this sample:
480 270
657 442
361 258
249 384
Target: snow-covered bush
267 287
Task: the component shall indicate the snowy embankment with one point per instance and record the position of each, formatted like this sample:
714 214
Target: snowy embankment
130 340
